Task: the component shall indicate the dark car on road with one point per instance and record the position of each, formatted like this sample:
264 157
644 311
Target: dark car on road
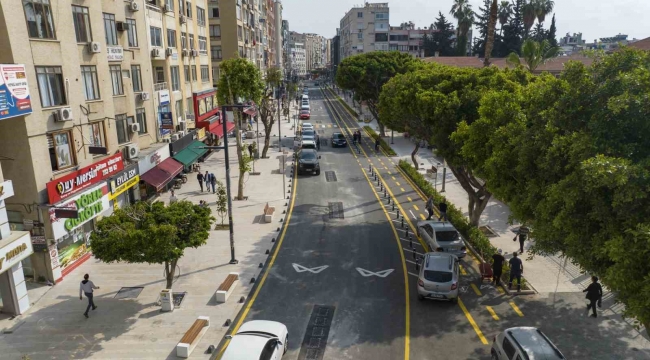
308 162
338 139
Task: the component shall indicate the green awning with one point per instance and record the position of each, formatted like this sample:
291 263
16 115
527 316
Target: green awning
191 153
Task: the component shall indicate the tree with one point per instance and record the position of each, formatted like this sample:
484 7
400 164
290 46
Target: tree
551 35
441 38
534 54
365 74
482 18
529 11
505 11
222 201
151 233
543 8
240 81
489 42
514 31
266 106
538 34
465 23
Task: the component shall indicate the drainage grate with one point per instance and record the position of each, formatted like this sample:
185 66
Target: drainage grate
315 341
128 293
336 210
330 176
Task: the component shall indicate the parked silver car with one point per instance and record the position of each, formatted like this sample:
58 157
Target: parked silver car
524 343
439 276
442 236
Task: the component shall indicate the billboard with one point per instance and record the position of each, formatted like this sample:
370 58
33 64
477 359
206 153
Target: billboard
14 91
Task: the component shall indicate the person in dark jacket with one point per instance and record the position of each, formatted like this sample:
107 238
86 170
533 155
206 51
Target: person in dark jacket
377 144
213 182
497 266
594 295
442 207
199 177
516 270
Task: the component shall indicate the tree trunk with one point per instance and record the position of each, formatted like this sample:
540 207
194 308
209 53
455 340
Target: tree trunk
477 210
240 158
489 41
415 151
477 193
267 140
372 108
170 271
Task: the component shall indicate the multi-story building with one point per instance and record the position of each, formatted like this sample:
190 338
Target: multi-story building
610 43
364 29
335 48
571 43
298 59
286 47
407 39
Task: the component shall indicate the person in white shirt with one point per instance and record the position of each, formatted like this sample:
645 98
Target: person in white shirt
172 198
86 286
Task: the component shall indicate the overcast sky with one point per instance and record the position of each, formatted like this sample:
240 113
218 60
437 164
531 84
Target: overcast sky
593 18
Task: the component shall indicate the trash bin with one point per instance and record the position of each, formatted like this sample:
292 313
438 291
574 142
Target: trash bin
167 300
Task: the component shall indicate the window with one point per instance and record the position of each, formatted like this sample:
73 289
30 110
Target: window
171 38
183 41
508 348
359 14
136 77
179 109
160 75
360 26
96 134
214 12
170 4
381 26
81 21
205 73
194 78
200 16
176 82
215 75
360 35
190 108
438 276
120 127
109 29
90 83
215 30
238 12
156 36
181 7
141 118
116 79
187 73
132 33
61 151
188 7
392 47
50 85
203 44
40 23
381 16
241 51
239 33
381 37
191 39
217 54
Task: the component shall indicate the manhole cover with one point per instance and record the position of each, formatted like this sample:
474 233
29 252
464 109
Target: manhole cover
335 210
315 341
330 176
128 293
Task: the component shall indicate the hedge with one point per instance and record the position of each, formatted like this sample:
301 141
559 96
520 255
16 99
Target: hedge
471 233
384 145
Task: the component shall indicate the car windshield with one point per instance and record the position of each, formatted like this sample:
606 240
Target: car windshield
438 276
308 132
450 235
304 112
308 155
307 137
338 136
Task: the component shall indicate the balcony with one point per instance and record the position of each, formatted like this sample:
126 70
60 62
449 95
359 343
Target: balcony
160 86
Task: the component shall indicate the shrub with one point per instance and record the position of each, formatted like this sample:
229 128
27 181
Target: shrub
384 145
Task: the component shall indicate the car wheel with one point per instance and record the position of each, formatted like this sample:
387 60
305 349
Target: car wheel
494 355
420 297
286 344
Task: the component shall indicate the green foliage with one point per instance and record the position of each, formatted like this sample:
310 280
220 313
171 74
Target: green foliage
273 76
441 40
551 34
246 164
513 32
383 144
222 201
534 54
240 79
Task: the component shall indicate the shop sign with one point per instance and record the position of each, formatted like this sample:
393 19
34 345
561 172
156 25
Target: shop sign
79 180
152 160
115 53
6 190
89 204
163 97
38 243
13 253
14 91
124 181
200 134
205 104
166 121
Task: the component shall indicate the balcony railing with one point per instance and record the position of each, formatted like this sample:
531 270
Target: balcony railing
160 86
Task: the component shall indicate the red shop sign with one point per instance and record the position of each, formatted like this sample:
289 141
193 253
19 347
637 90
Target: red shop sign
81 179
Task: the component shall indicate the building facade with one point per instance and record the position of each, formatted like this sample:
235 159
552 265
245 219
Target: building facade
298 59
365 29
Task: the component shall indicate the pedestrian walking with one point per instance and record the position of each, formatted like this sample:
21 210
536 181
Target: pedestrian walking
213 181
442 207
199 177
318 143
429 206
516 269
250 150
497 266
206 179
594 295
522 233
172 198
87 287
377 143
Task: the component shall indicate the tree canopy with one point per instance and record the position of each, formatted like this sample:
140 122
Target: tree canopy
440 41
151 233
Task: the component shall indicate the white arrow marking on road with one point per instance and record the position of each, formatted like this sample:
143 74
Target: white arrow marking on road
414 218
381 274
299 268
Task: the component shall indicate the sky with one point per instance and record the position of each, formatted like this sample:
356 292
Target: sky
593 18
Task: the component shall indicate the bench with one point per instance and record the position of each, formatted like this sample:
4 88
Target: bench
192 337
268 213
226 287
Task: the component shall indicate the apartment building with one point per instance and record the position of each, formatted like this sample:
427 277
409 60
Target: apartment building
286 48
364 29
298 59
407 39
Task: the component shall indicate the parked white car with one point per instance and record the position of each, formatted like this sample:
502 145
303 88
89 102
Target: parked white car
258 340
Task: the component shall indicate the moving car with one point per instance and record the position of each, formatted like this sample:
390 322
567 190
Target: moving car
310 132
308 161
307 137
304 106
438 277
338 139
307 126
308 144
258 339
524 343
315 84
305 114
442 236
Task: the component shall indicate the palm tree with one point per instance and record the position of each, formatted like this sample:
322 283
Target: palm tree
492 24
505 11
543 7
534 54
530 14
465 16
456 8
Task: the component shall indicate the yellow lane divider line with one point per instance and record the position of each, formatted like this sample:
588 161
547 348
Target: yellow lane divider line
398 184
491 311
472 322
423 217
416 207
402 189
409 199
476 290
516 308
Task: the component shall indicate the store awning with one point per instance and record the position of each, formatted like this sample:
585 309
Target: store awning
162 174
191 153
218 130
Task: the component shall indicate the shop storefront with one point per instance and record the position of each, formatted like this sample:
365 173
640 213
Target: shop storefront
123 187
188 151
157 172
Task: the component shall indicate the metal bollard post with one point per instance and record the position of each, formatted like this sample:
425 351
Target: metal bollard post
415 256
394 207
385 194
389 200
411 243
381 187
407 232
402 222
370 167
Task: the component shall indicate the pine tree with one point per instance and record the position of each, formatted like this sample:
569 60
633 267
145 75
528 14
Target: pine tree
442 37
428 46
538 33
481 23
550 35
513 33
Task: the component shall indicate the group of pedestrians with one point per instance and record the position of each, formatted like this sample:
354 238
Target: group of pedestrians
442 208
356 137
209 180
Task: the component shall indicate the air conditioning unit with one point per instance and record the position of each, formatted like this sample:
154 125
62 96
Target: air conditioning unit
175 137
169 51
134 128
166 8
184 52
94 47
180 134
155 52
183 19
122 26
132 151
63 114
145 96
195 53
134 6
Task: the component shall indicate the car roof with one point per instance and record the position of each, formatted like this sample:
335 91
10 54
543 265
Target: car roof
336 133
307 124
535 343
437 225
271 327
307 150
304 111
439 261
308 142
245 347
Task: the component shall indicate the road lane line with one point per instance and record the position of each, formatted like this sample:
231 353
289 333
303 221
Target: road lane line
500 290
385 167
409 199
516 308
402 189
462 270
388 172
416 207
472 322
398 184
491 311
411 251
410 273
476 290
414 218
423 217
393 178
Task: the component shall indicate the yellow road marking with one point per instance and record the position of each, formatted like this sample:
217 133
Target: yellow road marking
472 322
398 184
409 199
393 178
462 270
416 207
500 290
402 189
385 167
491 311
516 308
476 290
389 173
423 217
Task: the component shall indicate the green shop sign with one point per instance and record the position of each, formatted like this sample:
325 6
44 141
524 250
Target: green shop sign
89 205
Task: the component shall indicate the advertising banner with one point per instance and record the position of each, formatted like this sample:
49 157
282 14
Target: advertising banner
152 160
123 181
115 53
89 204
81 179
14 91
166 121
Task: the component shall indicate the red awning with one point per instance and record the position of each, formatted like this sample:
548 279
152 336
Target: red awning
218 130
162 174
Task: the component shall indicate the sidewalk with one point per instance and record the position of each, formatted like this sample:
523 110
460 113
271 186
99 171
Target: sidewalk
54 327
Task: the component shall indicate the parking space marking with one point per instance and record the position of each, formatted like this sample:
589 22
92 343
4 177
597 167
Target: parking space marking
410 273
416 207
462 270
476 290
472 322
500 290
516 308
491 311
414 218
